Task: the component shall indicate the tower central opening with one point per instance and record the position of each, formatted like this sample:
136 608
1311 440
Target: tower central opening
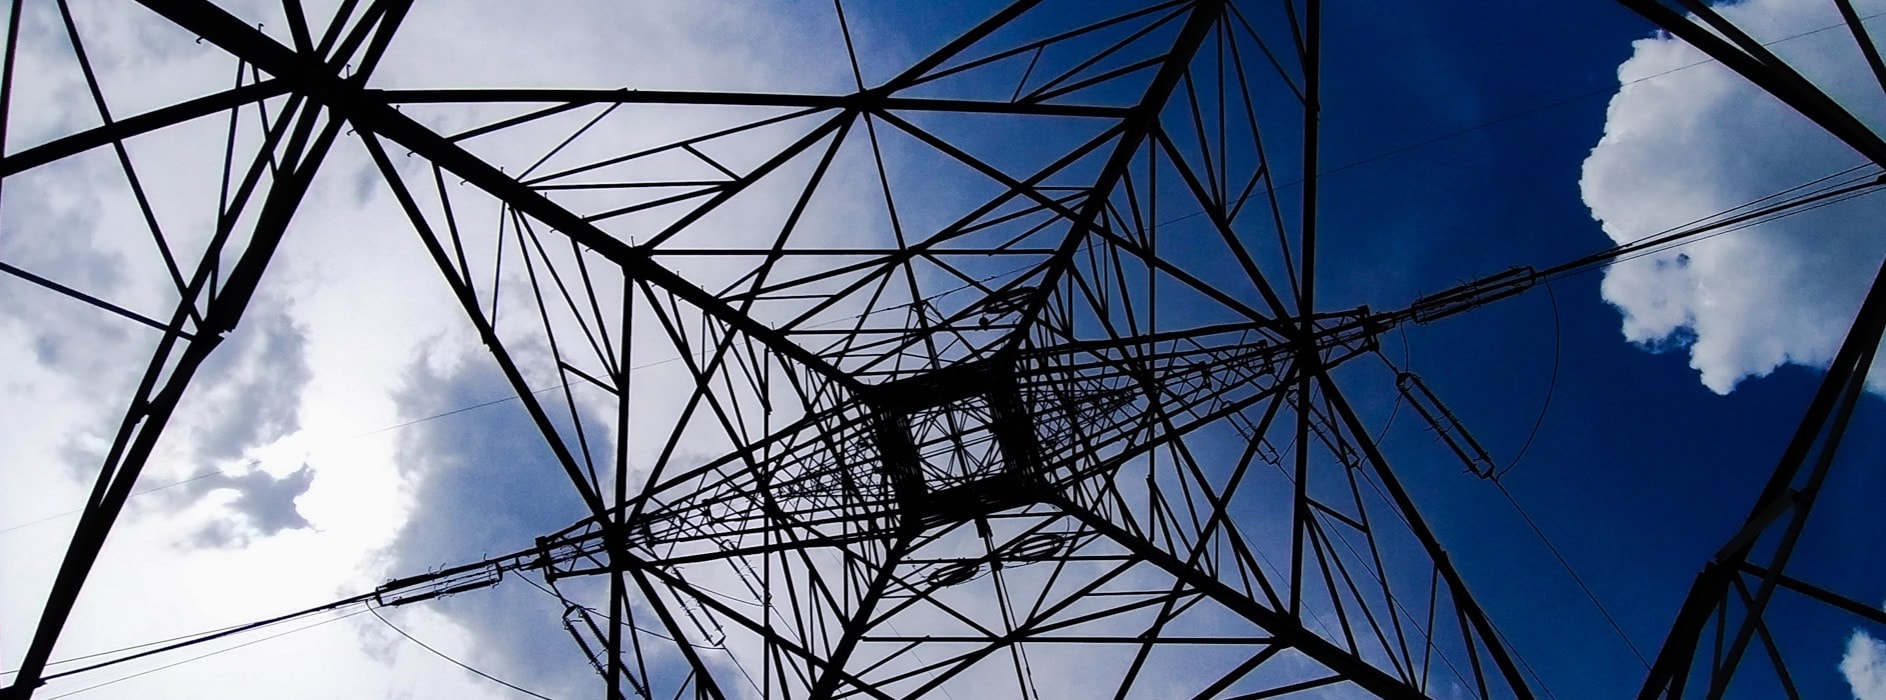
957 444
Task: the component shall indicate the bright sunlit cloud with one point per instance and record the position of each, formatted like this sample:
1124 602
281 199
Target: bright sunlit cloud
1864 666
279 483
1698 139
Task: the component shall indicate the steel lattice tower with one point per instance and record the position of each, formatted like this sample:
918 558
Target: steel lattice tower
1087 403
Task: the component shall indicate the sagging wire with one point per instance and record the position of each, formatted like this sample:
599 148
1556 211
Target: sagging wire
1395 605
455 662
180 642
182 661
1593 597
1727 220
199 476
1551 387
1428 635
1448 136
1407 360
366 602
1501 634
1494 476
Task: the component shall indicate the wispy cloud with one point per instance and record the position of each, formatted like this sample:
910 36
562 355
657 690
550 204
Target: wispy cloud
264 505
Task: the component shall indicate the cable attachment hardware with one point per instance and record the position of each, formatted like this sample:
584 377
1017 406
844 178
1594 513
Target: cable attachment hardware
1446 425
438 584
1485 290
582 627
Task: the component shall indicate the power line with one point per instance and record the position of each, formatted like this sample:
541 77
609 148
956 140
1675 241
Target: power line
175 643
198 477
1574 573
455 662
1614 258
175 664
1514 116
1552 385
1651 245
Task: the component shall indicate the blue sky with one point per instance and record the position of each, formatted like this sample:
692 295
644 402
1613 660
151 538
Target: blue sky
1636 461
1458 141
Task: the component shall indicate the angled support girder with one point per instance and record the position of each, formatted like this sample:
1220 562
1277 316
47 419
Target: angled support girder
1783 506
305 132
304 71
1723 41
1784 503
1138 126
681 97
860 622
469 301
1286 629
365 113
172 367
147 122
1456 585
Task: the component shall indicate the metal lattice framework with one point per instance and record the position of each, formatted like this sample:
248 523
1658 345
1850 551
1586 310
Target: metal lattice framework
1077 409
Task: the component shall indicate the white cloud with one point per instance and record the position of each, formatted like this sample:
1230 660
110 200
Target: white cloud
293 405
365 309
1864 666
1700 140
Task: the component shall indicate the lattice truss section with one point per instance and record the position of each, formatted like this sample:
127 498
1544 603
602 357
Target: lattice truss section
1001 367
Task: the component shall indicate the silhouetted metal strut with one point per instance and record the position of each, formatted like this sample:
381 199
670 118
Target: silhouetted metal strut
1028 414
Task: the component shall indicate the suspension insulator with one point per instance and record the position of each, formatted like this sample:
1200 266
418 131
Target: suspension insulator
1446 425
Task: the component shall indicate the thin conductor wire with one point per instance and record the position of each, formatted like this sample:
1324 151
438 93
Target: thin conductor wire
442 655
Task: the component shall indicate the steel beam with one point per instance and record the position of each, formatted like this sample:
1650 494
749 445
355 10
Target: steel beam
1818 436
345 98
585 96
1457 586
1741 53
152 409
1285 628
1138 126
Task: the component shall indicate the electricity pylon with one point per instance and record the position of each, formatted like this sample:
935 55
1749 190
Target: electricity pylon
1010 362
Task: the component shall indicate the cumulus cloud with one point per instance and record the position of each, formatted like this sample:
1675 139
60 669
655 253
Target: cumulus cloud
1864 666
485 480
485 484
1685 141
311 359
242 543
